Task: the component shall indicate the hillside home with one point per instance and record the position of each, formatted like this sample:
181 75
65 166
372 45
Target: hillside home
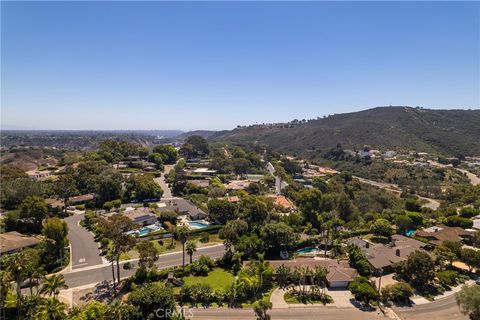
437 234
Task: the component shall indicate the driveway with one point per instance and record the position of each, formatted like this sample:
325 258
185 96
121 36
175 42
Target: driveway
167 193
85 252
341 298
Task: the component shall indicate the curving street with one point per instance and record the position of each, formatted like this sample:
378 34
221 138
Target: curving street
84 249
441 309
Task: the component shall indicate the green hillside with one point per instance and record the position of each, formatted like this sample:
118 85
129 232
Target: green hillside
448 132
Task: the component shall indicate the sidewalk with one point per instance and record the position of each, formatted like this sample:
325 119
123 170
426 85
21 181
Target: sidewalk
417 300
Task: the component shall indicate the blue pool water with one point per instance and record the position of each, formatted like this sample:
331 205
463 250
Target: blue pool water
307 250
143 231
197 224
410 233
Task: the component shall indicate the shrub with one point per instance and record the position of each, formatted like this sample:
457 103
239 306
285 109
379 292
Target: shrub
80 207
201 267
447 278
399 292
197 293
204 237
456 221
363 290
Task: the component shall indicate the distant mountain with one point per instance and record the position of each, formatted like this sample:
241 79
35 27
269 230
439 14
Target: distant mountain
448 132
204 133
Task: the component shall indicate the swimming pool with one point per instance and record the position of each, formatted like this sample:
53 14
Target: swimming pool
197 224
410 233
143 231
308 250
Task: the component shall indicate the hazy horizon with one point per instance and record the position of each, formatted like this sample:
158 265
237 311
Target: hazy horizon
215 65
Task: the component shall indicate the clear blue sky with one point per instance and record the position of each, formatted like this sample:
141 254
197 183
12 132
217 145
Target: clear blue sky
213 65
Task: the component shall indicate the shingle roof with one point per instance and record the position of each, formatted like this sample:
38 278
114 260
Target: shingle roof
337 270
438 234
11 241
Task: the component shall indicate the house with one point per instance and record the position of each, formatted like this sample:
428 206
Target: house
232 199
339 276
381 257
39 175
476 222
204 171
200 183
237 185
437 234
284 203
141 216
182 207
81 199
13 241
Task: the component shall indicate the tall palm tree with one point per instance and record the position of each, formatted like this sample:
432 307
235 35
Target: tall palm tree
51 309
117 310
5 287
111 257
182 236
190 248
51 286
320 277
15 265
34 274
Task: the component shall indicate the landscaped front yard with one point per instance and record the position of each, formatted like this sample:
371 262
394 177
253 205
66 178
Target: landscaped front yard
217 279
164 246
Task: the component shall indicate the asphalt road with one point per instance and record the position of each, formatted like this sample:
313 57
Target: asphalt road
87 276
442 309
167 193
84 249
308 313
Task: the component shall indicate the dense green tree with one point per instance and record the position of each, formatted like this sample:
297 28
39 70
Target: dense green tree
194 146
261 307
110 185
56 230
142 186
221 210
168 153
403 223
233 230
16 190
419 269
471 258
363 290
148 299
398 292
382 227
249 245
32 211
253 210
66 187
148 254
456 221
278 236
468 298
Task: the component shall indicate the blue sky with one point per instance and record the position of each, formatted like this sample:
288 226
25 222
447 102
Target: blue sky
214 65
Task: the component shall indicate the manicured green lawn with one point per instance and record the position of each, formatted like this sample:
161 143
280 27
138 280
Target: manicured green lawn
217 279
